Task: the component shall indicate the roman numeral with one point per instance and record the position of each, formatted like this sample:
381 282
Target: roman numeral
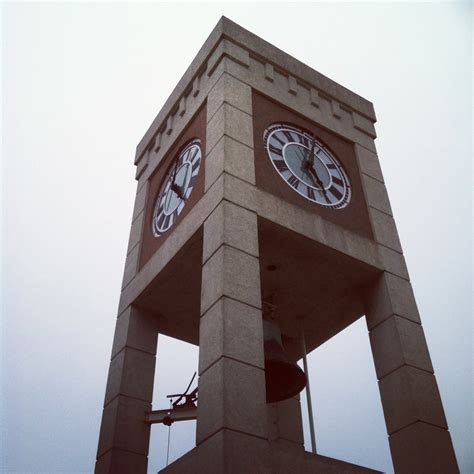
294 181
191 154
338 181
310 193
161 218
196 165
192 181
274 149
331 166
304 140
335 192
280 165
325 196
289 135
275 136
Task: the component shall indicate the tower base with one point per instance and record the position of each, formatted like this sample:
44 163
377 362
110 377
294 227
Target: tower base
229 452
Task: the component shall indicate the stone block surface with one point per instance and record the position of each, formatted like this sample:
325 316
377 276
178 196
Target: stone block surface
142 165
231 329
299 99
289 421
423 449
237 453
385 230
131 265
397 342
232 225
136 231
393 262
131 373
368 162
232 123
181 234
245 454
117 461
229 49
272 422
364 124
136 329
140 200
295 218
231 395
226 452
123 426
230 90
410 395
241 193
376 194
230 272
232 157
289 458
390 295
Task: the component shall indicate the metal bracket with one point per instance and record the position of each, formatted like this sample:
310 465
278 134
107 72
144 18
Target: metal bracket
169 416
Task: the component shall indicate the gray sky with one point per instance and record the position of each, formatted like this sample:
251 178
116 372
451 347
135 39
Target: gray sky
82 82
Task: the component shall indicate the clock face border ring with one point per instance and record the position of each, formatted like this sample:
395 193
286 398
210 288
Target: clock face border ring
161 221
337 195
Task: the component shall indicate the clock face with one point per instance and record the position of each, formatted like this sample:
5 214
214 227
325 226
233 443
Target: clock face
307 166
176 188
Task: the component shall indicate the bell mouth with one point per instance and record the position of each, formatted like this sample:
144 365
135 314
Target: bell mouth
283 379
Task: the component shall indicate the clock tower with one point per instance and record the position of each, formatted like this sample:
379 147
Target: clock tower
261 215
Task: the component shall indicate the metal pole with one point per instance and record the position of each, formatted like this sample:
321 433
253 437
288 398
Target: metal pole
169 436
308 394
168 448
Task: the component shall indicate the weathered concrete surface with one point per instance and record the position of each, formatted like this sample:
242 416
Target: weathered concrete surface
124 437
232 453
418 432
249 241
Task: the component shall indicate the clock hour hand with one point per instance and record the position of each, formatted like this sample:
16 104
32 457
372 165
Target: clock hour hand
177 189
305 167
318 179
174 186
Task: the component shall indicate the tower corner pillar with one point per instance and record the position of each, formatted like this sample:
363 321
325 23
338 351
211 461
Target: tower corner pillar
418 432
124 435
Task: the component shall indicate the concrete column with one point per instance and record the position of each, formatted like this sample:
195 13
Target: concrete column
232 412
232 400
229 139
285 423
124 437
418 433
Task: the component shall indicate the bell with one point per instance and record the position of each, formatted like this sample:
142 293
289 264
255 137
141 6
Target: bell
283 378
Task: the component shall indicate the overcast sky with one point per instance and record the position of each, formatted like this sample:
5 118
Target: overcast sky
80 85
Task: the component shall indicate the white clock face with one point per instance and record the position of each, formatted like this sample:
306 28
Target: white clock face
307 166
176 188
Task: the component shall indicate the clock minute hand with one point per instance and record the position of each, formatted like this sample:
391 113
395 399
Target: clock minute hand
309 154
318 180
311 160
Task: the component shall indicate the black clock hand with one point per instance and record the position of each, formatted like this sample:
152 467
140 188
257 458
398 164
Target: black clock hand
305 166
177 189
174 186
318 180
312 151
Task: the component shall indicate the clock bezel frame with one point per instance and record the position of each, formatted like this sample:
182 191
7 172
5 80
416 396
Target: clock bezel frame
346 197
164 183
